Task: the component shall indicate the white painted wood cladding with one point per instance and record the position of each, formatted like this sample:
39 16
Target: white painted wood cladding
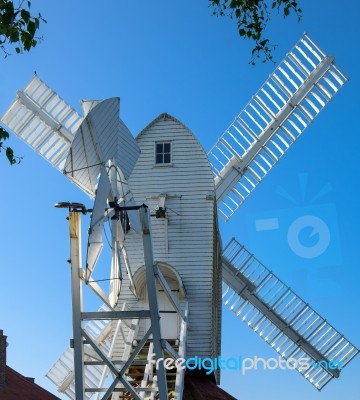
186 240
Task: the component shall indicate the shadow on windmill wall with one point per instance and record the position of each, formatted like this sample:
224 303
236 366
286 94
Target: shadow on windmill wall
305 237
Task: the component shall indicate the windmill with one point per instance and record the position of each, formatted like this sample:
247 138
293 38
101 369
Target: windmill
160 195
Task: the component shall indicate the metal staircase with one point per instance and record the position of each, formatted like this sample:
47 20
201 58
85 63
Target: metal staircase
141 373
294 94
282 319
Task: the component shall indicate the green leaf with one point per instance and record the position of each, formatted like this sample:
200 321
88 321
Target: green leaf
9 7
3 134
25 15
7 18
31 27
10 155
14 36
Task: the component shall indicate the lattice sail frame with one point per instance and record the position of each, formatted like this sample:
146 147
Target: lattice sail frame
294 94
282 319
41 118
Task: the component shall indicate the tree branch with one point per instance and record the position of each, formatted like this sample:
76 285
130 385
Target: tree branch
252 17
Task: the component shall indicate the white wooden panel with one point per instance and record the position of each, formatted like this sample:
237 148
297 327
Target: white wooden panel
101 137
169 319
43 120
190 225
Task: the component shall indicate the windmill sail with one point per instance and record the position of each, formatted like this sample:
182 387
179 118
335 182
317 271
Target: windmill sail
282 319
62 372
44 121
294 94
101 137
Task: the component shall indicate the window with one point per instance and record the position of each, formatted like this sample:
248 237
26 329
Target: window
163 153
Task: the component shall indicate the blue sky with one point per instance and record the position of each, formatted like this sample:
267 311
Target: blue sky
175 57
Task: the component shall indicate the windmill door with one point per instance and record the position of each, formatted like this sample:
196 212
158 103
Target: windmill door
169 319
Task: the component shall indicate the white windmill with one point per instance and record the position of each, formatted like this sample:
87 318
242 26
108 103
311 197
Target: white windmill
161 195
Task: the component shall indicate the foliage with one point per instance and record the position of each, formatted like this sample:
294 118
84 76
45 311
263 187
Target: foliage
252 17
8 150
18 27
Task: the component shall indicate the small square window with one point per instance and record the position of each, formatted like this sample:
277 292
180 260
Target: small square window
163 153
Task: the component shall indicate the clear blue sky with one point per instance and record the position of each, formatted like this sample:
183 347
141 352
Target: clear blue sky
175 57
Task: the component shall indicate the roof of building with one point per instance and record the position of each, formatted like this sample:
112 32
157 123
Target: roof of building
18 387
198 386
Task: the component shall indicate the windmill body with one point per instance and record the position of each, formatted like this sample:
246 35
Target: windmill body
179 191
167 263
166 168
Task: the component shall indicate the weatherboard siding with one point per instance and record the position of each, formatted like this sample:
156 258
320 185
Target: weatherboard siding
191 231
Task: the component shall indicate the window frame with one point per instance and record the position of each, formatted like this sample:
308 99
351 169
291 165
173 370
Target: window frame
163 153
